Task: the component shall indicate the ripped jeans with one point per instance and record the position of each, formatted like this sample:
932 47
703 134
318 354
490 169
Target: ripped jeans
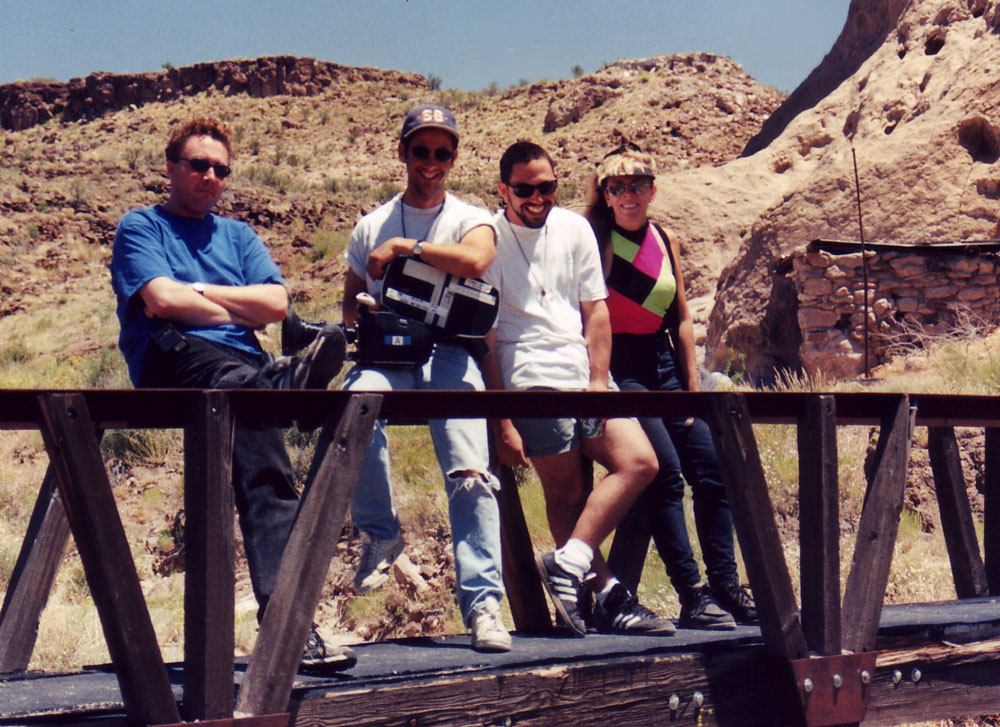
461 447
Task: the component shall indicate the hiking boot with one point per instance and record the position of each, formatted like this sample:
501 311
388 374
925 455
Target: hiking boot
564 589
377 556
320 361
736 599
700 611
621 613
318 658
488 631
296 333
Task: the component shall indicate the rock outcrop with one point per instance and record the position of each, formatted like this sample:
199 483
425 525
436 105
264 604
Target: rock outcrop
25 104
920 113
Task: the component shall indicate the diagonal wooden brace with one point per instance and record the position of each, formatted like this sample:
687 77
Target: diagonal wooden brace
756 528
864 593
72 443
267 685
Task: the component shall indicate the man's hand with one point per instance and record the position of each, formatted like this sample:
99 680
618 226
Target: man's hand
385 253
510 447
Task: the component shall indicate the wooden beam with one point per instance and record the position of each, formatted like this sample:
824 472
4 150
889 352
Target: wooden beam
33 575
877 529
991 527
72 443
209 561
956 513
819 525
520 577
333 475
756 529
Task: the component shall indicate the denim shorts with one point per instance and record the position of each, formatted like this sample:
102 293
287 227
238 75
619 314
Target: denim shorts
543 437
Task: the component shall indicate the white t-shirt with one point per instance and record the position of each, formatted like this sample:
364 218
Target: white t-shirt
446 223
539 329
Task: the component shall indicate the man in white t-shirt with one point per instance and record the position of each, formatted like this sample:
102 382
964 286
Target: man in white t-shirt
553 332
428 223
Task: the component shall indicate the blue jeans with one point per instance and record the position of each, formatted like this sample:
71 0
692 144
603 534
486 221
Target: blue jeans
263 481
461 445
641 363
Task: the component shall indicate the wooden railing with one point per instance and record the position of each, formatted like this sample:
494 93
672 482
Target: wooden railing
76 497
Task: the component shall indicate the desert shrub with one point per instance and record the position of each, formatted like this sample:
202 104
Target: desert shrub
328 244
141 446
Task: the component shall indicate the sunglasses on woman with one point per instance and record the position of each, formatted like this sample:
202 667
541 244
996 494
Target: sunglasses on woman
524 191
202 165
441 154
638 187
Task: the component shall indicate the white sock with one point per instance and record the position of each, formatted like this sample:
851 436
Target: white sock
603 593
575 557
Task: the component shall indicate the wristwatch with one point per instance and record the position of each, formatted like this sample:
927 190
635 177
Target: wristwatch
198 288
418 249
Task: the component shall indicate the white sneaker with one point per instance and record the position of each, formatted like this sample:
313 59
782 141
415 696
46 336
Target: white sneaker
377 557
488 631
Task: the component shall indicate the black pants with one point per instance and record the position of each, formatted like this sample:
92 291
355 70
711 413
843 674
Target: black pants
263 482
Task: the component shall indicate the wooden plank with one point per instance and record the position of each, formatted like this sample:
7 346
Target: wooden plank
33 575
991 529
152 408
819 526
732 688
521 581
267 684
72 443
209 561
877 529
957 523
756 529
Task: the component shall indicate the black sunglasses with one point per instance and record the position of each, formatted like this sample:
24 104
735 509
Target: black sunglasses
202 165
622 148
441 154
640 186
527 190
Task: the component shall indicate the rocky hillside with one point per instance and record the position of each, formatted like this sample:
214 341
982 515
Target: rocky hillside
316 149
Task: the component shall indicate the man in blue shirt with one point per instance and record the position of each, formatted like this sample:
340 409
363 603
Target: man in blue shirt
192 289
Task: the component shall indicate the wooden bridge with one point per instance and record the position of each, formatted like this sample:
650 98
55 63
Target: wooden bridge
833 659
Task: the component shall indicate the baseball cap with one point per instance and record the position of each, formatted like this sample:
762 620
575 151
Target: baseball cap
429 116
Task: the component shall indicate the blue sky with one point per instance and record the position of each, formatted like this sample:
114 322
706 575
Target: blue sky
467 43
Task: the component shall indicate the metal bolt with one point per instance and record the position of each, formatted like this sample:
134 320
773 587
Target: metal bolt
807 684
674 702
897 676
507 722
915 675
697 699
866 677
838 681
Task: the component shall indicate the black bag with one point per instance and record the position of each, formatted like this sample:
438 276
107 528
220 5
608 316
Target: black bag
452 306
385 339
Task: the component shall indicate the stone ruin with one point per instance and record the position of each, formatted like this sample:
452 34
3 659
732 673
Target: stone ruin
915 293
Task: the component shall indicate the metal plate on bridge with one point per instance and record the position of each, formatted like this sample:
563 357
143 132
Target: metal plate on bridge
834 690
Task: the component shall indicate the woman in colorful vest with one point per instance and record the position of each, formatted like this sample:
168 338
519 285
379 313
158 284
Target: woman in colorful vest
653 349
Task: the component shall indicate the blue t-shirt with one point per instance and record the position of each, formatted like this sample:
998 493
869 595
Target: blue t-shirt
152 243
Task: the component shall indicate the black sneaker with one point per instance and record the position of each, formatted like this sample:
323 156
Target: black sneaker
296 333
318 658
700 611
621 613
320 361
564 589
736 599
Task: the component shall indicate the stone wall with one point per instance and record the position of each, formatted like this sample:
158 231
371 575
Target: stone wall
25 104
913 292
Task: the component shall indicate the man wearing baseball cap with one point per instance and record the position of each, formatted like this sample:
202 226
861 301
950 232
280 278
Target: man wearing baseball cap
428 223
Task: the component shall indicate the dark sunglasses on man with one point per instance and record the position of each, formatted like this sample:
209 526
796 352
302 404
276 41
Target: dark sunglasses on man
202 165
524 191
441 154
